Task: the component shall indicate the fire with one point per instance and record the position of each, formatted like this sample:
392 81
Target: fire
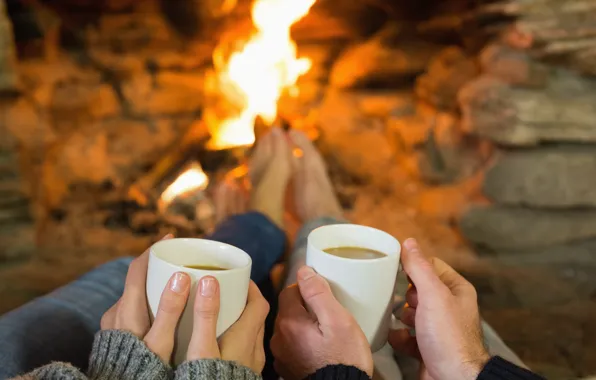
255 76
192 179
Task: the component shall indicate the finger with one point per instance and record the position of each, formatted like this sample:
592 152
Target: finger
403 343
408 317
412 297
160 338
259 350
291 304
254 314
453 280
423 372
134 286
316 293
108 318
203 342
133 314
419 269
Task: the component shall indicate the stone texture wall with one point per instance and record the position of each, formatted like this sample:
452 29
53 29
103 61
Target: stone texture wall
542 180
8 74
98 103
98 114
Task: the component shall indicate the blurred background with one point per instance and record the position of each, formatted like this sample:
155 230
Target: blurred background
468 124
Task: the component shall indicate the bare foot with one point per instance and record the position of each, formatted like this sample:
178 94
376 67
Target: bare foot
313 192
229 199
270 170
260 157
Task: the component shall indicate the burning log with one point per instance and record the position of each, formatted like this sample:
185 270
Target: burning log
142 191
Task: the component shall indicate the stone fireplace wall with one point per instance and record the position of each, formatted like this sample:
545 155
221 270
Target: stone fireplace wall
467 124
89 106
102 91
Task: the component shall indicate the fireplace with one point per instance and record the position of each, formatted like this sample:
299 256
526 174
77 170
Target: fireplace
467 124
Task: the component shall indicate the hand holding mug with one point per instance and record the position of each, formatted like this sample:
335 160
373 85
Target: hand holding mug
443 308
305 342
130 313
242 342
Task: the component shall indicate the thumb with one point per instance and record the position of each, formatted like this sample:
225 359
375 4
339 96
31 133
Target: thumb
419 269
316 293
203 342
160 338
453 280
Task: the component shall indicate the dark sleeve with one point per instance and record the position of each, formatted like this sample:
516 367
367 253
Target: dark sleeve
498 368
338 372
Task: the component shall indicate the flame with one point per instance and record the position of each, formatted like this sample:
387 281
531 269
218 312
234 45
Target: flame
255 76
192 179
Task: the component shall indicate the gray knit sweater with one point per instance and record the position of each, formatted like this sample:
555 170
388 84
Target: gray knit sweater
120 355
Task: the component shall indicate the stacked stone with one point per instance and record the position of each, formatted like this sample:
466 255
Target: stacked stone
8 76
542 182
16 225
94 115
15 219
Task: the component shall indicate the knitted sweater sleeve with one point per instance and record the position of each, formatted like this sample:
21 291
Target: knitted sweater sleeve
116 355
214 369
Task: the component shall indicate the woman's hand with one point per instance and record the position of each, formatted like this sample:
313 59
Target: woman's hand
131 313
242 342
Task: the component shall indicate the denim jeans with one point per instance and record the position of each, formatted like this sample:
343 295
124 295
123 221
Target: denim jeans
61 325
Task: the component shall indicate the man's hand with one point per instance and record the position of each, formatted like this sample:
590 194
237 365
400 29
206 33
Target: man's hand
304 342
443 308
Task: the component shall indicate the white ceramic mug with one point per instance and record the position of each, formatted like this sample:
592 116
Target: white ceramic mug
365 287
167 257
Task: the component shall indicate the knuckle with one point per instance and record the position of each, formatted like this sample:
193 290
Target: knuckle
171 302
287 325
206 314
343 322
264 307
473 293
444 293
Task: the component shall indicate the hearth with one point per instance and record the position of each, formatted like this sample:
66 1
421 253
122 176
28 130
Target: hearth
468 124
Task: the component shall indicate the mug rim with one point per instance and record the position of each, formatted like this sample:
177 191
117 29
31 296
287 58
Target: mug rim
182 268
356 226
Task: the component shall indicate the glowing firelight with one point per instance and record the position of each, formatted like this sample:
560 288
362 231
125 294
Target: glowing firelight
192 179
256 75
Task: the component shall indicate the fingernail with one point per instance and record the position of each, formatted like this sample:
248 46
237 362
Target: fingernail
208 286
276 131
179 283
168 236
411 244
305 273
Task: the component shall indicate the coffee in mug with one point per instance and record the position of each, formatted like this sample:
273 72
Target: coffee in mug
356 253
361 264
228 264
205 267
